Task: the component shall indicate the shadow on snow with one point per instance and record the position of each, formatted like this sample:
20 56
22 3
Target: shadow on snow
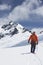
23 43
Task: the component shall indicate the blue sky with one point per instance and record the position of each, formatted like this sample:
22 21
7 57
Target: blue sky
34 21
22 11
12 3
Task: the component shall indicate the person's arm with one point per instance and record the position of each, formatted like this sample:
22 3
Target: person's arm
29 39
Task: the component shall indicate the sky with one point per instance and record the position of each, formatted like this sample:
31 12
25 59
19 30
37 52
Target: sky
26 12
6 6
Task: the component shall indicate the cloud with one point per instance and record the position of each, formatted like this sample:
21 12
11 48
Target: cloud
4 20
5 7
23 11
39 11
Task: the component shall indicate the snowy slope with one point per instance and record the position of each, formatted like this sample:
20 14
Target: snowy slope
16 51
13 33
11 41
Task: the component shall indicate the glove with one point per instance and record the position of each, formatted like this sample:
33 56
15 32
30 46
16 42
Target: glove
36 43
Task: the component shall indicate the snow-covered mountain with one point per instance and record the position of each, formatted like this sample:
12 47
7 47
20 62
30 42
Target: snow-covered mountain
12 33
11 29
16 50
14 47
27 13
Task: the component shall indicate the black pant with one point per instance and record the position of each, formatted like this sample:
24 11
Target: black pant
33 46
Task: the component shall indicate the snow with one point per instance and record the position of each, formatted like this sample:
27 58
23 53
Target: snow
15 50
17 38
20 27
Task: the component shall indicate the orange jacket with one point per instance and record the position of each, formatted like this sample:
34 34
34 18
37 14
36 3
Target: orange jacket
33 38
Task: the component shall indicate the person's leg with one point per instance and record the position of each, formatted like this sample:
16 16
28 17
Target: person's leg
31 48
34 46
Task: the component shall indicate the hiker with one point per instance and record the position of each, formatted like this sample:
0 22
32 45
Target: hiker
33 41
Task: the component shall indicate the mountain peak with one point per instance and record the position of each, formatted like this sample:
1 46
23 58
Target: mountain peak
11 28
